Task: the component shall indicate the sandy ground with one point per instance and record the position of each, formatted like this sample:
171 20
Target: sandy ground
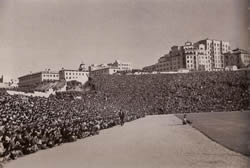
220 126
151 142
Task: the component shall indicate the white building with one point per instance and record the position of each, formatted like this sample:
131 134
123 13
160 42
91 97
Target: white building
204 55
122 66
109 69
80 75
32 80
104 71
214 52
195 57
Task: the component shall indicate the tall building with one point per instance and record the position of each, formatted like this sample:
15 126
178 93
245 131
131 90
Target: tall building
214 52
173 61
195 57
204 55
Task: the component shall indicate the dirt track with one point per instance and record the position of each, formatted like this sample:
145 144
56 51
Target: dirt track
151 142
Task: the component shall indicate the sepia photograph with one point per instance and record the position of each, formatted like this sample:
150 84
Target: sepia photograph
124 83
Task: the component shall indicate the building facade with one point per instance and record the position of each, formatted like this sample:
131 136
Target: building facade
214 50
33 79
111 68
238 57
95 67
104 71
122 66
195 57
80 75
204 55
149 68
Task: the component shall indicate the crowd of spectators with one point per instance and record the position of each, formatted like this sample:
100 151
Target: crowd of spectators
29 124
178 93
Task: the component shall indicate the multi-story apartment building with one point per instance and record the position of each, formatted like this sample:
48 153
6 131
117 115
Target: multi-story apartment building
214 52
195 57
190 55
173 61
206 55
32 80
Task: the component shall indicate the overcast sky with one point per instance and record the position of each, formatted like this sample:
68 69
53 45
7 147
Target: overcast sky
40 34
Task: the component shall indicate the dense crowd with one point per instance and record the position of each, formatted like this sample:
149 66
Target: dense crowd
178 93
29 124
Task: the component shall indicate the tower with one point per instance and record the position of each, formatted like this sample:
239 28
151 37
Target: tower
82 67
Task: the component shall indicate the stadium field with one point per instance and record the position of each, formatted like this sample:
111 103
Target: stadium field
230 129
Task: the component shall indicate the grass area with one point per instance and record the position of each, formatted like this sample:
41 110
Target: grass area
230 129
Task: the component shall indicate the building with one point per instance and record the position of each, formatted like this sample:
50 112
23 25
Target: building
204 55
149 68
104 71
95 67
30 81
80 75
122 66
214 50
111 68
238 57
195 57
173 61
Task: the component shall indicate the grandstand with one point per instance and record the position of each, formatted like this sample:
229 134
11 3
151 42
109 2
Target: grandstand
41 123
177 93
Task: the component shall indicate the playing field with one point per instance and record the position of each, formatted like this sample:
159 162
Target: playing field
230 129
151 142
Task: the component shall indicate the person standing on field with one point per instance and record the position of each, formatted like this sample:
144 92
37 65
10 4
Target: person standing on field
121 116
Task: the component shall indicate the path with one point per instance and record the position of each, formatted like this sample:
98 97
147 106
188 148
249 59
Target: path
151 142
